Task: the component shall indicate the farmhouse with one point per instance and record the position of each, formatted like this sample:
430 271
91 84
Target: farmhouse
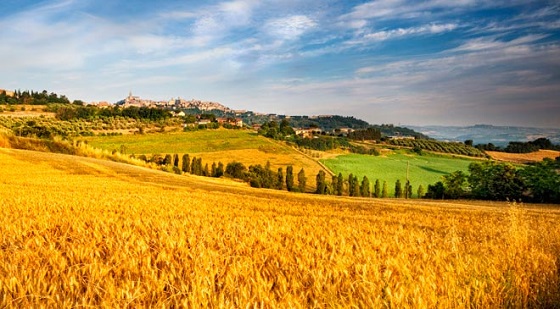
231 121
307 132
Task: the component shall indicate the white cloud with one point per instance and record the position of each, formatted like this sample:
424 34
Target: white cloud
489 43
402 32
290 27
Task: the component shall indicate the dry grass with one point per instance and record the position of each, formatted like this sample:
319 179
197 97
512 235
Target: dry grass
82 232
523 157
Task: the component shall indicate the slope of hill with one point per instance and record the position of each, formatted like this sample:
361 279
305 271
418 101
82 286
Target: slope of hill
221 145
483 134
78 232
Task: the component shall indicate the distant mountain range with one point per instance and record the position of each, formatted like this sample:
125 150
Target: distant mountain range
483 134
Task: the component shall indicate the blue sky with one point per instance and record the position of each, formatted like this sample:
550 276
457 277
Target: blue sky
388 61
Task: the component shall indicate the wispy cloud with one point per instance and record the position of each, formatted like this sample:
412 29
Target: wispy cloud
403 32
485 43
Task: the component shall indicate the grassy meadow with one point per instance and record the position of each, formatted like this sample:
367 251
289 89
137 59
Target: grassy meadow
423 170
81 232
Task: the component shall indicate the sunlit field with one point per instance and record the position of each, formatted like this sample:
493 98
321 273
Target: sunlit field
80 232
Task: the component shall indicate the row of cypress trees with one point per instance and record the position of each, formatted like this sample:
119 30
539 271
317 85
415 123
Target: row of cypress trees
354 187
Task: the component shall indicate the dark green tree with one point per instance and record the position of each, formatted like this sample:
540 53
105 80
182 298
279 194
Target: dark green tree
408 187
542 181
377 189
385 191
236 170
186 163
321 183
420 191
398 189
339 184
495 181
193 165
436 191
214 169
199 170
351 185
280 179
455 185
302 180
290 178
220 170
168 159
356 184
365 187
176 160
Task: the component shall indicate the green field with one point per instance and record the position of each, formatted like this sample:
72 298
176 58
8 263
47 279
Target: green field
423 170
182 142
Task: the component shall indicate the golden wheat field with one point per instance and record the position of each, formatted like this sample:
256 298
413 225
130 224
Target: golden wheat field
80 232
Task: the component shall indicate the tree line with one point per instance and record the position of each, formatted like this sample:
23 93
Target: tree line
538 182
522 147
32 98
353 186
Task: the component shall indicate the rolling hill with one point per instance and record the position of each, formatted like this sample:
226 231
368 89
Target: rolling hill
82 232
220 145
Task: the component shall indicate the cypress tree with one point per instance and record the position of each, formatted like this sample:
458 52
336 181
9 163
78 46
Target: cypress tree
206 171
321 184
168 159
377 189
408 189
220 170
214 169
351 184
385 192
365 190
398 189
356 186
421 191
176 160
186 163
339 184
280 179
334 181
193 166
199 166
290 178
302 180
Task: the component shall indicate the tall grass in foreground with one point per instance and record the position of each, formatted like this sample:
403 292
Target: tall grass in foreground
73 239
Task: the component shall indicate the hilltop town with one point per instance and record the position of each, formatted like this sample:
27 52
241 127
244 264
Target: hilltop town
173 103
